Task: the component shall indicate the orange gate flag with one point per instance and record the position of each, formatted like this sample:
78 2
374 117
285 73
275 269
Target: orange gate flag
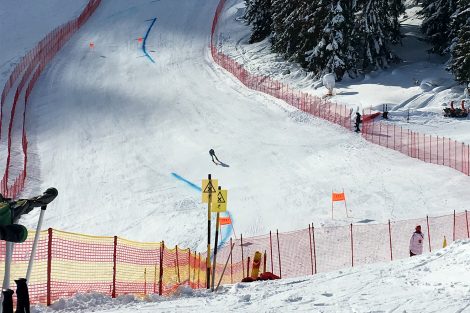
225 221
338 197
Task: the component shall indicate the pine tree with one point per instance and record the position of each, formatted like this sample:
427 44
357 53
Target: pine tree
258 14
460 62
396 8
286 26
436 24
372 27
330 54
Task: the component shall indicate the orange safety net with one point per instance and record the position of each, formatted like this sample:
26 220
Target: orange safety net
67 263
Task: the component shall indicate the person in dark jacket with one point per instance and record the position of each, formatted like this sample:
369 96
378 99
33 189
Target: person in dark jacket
358 121
212 154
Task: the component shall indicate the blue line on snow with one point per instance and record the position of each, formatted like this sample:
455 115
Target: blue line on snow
145 39
196 187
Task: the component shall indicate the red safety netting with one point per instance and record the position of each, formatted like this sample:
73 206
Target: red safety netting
25 74
68 263
428 148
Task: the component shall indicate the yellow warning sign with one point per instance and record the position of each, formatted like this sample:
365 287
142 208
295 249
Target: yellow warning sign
209 187
219 201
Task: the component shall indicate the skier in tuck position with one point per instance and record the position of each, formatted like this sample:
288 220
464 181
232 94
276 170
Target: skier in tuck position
11 211
212 154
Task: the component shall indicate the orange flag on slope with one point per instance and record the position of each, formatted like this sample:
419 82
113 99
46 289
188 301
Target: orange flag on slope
338 196
225 221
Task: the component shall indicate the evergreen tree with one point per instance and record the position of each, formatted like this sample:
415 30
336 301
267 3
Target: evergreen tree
436 24
460 62
396 8
258 14
286 26
330 54
372 27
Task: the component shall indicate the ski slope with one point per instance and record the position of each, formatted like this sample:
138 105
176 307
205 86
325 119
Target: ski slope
108 127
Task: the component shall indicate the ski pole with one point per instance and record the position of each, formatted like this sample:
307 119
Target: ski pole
35 244
6 278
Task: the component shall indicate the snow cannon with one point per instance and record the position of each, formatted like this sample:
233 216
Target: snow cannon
329 81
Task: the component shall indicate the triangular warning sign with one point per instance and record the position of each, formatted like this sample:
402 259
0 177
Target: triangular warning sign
209 188
220 197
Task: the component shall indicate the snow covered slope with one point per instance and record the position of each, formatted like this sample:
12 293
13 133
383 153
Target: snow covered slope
108 128
438 282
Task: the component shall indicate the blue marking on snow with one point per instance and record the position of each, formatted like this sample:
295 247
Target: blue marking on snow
145 39
228 230
193 185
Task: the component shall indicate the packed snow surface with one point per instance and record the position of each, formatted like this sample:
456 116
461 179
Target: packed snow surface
108 127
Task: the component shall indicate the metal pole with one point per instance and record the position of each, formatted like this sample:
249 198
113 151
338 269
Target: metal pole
208 258
352 247
314 248
390 236
215 247
226 262
310 242
453 233
243 259
271 248
35 244
279 253
429 233
466 219
113 294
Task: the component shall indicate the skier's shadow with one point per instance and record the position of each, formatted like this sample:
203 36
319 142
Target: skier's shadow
223 164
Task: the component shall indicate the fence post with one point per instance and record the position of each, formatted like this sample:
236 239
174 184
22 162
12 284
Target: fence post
279 252
49 265
145 281
429 233
310 242
314 248
453 233
113 294
271 247
243 258
155 279
189 267
160 279
177 266
390 236
231 265
352 247
466 219
199 270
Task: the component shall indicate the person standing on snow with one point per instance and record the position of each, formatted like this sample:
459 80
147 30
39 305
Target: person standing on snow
358 121
416 242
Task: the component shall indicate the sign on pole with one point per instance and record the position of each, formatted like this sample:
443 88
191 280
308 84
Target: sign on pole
209 187
219 201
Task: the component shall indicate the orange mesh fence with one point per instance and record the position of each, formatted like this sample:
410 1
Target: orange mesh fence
428 148
68 263
25 74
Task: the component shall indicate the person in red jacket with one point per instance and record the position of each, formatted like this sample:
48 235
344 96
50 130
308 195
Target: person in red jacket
416 242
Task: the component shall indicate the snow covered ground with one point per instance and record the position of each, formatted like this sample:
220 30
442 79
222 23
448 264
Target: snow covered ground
438 282
108 128
418 86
